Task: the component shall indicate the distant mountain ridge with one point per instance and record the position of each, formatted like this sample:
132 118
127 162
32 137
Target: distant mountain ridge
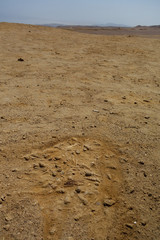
90 25
96 25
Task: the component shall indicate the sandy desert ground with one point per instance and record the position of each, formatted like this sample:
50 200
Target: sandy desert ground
79 135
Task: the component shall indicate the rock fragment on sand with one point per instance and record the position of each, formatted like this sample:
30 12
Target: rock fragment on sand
129 225
52 231
108 202
77 152
20 60
41 165
88 174
67 200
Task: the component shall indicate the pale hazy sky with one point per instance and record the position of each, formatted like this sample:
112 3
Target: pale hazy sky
129 12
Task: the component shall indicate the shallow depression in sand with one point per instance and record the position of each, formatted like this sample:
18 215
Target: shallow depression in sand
76 184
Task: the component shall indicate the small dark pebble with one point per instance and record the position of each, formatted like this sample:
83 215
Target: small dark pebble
26 158
78 190
41 165
53 174
145 175
143 224
141 162
129 226
88 174
57 158
20 59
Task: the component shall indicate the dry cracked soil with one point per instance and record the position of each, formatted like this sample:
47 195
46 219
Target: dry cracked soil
79 135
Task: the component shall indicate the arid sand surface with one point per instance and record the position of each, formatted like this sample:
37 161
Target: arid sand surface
79 135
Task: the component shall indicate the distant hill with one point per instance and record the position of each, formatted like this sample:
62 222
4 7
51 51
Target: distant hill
53 25
112 25
92 25
151 26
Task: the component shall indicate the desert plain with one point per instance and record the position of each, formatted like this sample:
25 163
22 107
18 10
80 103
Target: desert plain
79 134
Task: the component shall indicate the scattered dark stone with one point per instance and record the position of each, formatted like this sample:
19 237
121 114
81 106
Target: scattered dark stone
145 175
131 208
146 100
3 198
54 174
109 176
128 225
20 59
35 166
135 102
146 117
132 191
112 167
78 190
41 165
87 147
123 160
70 183
105 100
143 224
124 97
26 158
60 191
141 162
88 174
57 158
108 202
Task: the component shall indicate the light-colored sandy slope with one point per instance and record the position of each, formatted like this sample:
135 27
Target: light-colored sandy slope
79 135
